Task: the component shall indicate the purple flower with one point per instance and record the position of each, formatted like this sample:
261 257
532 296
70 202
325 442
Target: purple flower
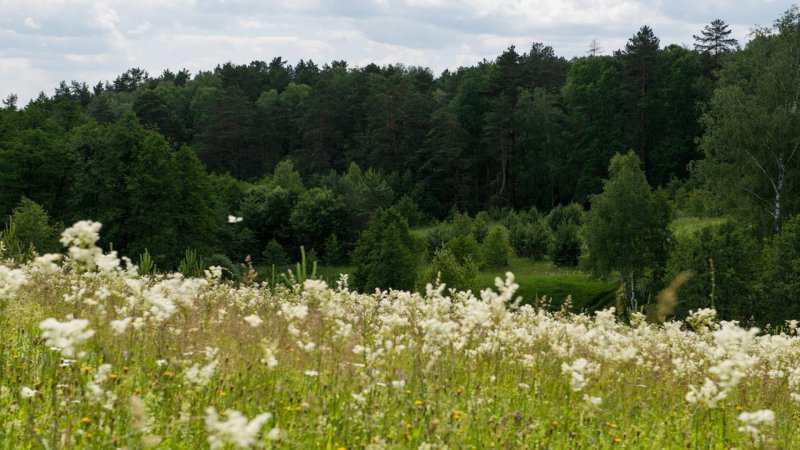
125 354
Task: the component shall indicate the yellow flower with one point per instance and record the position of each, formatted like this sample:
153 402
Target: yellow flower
168 374
458 391
458 414
113 376
409 426
86 420
418 403
617 440
222 393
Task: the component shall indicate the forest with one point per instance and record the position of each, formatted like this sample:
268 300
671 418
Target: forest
583 162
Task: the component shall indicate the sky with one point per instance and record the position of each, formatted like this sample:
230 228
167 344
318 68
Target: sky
45 41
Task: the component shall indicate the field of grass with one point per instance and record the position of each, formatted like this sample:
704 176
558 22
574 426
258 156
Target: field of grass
94 356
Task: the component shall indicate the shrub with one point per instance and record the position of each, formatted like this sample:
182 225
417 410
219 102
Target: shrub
480 227
569 214
386 255
409 209
735 256
464 248
32 227
274 254
495 248
335 253
530 239
455 273
780 281
565 249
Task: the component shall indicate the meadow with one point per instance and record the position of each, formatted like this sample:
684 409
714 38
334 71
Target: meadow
93 355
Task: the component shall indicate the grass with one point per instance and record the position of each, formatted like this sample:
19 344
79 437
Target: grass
99 357
685 226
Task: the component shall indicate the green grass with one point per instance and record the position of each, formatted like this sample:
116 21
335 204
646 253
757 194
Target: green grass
542 278
685 226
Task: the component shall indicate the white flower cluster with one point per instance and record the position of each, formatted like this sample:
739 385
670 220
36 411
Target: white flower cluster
578 371
66 336
95 391
237 430
751 421
11 280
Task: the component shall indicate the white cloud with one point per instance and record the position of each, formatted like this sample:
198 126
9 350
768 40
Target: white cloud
30 23
92 40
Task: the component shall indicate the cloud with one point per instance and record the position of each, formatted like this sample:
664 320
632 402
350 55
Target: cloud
30 23
92 40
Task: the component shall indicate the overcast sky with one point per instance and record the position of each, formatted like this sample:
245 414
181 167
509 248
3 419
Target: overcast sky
45 41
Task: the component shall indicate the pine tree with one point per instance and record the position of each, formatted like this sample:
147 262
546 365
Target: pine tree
714 39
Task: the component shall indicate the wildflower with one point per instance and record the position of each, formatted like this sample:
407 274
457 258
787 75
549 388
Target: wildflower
161 362
458 415
237 429
234 219
751 421
201 376
86 420
26 392
66 335
311 373
46 263
121 325
10 282
254 320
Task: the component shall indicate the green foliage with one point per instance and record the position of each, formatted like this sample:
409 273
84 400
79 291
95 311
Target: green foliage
409 209
274 255
627 229
33 227
751 141
13 247
455 272
725 259
191 265
317 214
334 251
496 249
572 213
566 246
386 255
480 227
779 297
530 239
230 271
464 248
146 264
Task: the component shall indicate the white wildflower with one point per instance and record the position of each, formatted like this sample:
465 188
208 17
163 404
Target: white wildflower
234 219
753 420
236 430
311 373
46 263
26 392
66 335
201 376
11 280
121 325
253 320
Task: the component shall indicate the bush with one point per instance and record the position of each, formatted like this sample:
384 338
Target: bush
31 224
453 272
495 249
386 255
779 289
561 215
530 239
409 209
335 253
735 254
565 249
464 248
274 254
229 270
480 227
